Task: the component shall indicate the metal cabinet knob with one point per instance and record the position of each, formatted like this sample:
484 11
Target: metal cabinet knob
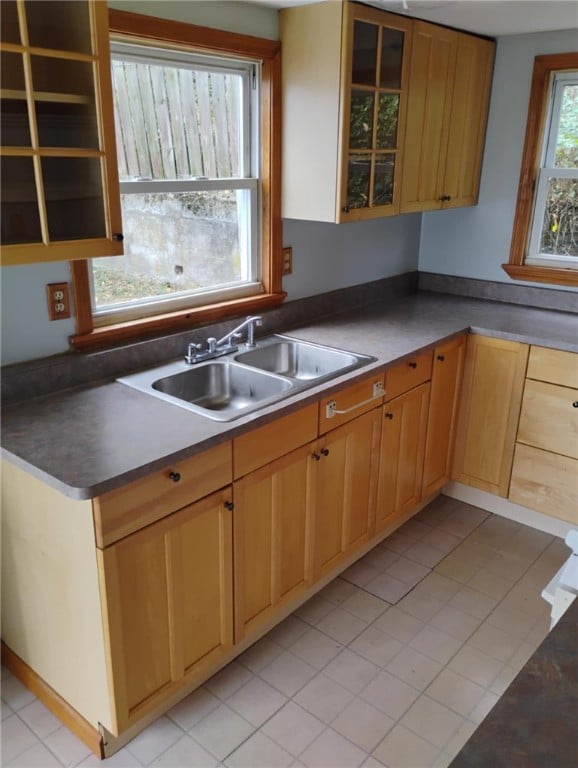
118 236
389 415
229 505
413 365
575 404
325 451
316 456
175 476
441 358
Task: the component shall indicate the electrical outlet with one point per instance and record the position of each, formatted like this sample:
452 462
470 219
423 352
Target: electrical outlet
58 301
287 260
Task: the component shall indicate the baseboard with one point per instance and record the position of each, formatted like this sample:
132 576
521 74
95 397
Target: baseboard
55 703
505 508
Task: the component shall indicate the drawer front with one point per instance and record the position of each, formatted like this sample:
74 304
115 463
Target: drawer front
545 482
265 444
126 510
407 375
348 403
549 419
554 366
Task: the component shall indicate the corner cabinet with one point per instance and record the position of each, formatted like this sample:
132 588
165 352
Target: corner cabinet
345 79
60 196
449 90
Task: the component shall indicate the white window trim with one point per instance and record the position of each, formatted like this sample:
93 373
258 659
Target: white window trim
249 182
547 171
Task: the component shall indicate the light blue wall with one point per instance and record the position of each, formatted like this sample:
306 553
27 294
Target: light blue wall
474 242
326 257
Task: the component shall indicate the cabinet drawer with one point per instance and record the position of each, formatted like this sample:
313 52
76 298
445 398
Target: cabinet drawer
345 405
549 419
407 375
265 444
554 366
545 482
127 509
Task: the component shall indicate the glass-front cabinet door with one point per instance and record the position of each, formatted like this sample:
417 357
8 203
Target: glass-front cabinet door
376 56
59 188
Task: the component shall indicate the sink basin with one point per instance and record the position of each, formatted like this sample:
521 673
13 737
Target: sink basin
237 384
221 391
221 386
299 359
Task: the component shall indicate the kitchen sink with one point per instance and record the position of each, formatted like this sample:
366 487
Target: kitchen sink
298 359
242 382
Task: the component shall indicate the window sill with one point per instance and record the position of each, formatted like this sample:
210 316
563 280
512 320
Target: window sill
554 276
133 330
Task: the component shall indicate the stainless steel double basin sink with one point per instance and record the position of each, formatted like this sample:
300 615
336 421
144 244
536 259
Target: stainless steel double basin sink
244 381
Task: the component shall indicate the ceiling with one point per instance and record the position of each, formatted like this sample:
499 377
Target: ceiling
486 17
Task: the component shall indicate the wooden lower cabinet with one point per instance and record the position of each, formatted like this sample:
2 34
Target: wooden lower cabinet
448 363
272 539
490 407
167 605
402 454
344 490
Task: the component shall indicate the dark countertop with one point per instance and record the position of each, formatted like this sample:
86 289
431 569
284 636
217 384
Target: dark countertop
534 724
87 441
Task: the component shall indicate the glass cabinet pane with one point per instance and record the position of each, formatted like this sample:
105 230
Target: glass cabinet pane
59 25
364 59
20 218
13 107
65 103
9 29
383 179
358 181
361 120
391 58
74 197
387 116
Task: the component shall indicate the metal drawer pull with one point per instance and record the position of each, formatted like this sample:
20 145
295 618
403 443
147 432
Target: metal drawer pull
331 408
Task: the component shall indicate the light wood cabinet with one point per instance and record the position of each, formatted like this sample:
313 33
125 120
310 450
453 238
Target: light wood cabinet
60 196
345 77
448 96
490 407
345 486
448 363
272 539
401 455
167 605
545 470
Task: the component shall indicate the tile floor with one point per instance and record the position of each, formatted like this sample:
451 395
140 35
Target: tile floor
393 664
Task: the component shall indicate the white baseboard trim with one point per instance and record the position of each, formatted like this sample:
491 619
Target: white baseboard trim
505 508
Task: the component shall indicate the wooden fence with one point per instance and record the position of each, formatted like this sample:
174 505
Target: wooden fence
175 123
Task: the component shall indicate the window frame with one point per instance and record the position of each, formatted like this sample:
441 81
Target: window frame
138 28
545 67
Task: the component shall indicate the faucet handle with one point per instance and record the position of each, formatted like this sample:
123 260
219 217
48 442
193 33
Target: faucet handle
192 350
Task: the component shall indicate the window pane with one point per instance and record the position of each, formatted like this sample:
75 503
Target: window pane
175 122
387 114
174 243
567 140
364 53
560 226
391 58
358 181
361 120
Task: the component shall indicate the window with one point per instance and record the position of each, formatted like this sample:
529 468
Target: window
545 237
195 114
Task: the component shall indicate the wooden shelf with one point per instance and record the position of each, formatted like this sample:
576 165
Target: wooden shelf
45 96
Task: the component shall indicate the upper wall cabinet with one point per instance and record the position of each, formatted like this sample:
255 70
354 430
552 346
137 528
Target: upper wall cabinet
449 89
60 197
345 78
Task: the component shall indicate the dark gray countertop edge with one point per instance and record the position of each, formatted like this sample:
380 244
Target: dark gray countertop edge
125 436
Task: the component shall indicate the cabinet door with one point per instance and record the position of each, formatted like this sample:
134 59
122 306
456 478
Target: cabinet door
272 539
401 454
60 196
443 411
345 486
376 65
428 116
489 411
469 114
167 605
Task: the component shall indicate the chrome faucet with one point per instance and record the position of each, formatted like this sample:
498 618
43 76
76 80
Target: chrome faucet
226 345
